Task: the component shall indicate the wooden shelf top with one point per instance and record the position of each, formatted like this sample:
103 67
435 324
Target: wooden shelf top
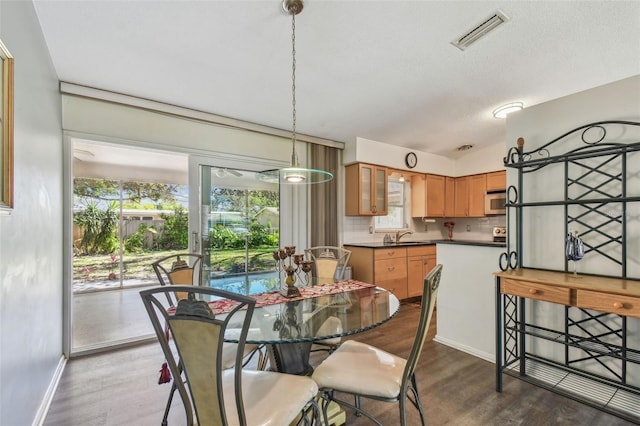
628 287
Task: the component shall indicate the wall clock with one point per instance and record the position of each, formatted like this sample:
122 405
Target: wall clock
411 159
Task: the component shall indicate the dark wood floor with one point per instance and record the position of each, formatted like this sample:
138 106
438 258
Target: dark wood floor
120 388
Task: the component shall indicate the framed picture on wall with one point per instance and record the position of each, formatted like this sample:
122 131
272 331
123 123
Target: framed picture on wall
6 129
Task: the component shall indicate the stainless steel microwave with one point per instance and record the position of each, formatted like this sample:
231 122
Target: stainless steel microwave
494 203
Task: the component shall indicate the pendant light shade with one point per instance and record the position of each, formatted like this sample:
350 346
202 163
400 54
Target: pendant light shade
294 174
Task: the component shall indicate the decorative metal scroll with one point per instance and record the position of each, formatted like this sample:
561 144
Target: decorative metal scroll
593 139
596 168
509 258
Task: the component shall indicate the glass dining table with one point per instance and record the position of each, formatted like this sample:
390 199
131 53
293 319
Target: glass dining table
289 327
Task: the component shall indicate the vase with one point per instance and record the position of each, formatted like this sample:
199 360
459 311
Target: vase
450 233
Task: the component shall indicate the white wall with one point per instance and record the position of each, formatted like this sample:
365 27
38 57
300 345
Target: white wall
373 152
31 237
482 160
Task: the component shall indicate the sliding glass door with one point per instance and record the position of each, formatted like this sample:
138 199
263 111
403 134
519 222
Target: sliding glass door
237 230
127 210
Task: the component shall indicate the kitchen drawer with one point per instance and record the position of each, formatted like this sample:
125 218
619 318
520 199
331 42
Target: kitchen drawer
613 303
421 251
390 253
536 291
396 286
391 269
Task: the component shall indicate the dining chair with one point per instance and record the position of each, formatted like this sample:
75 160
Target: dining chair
178 269
211 394
329 265
186 269
366 371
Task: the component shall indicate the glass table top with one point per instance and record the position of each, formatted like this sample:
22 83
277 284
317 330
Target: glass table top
302 320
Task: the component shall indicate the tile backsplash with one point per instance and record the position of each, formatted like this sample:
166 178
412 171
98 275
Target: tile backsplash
356 229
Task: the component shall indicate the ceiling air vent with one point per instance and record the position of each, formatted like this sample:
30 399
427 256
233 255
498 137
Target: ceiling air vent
489 24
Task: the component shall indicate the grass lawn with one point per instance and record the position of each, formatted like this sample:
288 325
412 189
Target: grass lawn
138 265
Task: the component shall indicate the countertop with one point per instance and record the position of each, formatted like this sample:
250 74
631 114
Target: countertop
409 243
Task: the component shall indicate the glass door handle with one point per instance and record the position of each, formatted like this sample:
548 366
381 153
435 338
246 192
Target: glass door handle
194 245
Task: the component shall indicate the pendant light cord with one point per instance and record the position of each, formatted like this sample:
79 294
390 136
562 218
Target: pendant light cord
294 155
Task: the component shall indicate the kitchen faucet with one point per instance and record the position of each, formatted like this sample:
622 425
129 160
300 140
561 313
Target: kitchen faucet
400 234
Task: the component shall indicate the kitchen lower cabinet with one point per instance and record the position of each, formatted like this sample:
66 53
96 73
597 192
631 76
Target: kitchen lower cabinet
385 267
400 270
420 260
390 270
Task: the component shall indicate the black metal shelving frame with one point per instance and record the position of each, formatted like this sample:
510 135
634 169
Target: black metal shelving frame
596 165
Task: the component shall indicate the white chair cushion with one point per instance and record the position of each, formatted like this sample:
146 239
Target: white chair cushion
332 325
270 399
362 369
229 350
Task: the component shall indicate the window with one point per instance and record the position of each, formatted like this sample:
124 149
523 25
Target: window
395 218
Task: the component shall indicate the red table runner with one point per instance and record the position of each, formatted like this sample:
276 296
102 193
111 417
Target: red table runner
274 297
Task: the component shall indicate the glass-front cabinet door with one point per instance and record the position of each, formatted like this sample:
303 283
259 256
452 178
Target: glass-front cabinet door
366 183
380 188
365 190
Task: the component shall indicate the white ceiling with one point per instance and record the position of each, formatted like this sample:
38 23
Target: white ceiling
381 70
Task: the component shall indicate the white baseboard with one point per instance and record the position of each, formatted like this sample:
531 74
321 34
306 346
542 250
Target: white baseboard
51 391
464 348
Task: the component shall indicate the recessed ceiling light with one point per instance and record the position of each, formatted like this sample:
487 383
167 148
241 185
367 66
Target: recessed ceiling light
465 147
502 111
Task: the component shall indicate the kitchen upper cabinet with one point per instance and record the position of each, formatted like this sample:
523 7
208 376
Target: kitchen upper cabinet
461 200
427 196
449 196
497 181
469 196
477 191
365 190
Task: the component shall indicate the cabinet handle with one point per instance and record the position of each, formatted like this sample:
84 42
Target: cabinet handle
618 305
390 253
374 209
391 268
533 291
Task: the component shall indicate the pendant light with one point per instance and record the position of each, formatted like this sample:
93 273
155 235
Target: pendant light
294 174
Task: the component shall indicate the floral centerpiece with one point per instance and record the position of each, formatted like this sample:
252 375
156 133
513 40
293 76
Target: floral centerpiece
450 225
